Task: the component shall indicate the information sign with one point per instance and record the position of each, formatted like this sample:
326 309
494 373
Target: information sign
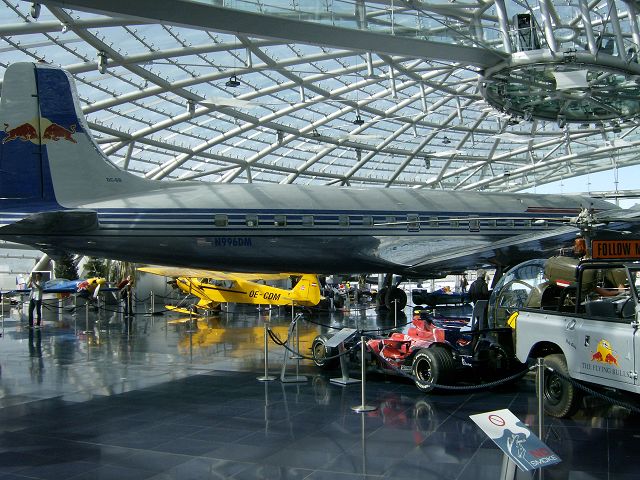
515 439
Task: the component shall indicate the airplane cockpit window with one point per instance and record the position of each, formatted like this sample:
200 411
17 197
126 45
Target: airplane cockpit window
518 288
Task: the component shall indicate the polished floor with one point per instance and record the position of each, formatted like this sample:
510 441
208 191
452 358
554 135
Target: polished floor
90 396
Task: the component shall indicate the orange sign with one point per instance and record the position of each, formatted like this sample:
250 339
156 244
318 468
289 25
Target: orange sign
621 249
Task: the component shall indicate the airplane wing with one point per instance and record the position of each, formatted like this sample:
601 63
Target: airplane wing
213 274
513 250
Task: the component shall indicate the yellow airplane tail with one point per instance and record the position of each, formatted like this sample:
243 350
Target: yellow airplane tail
307 290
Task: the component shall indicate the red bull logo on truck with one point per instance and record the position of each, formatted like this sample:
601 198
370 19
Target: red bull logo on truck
604 354
27 132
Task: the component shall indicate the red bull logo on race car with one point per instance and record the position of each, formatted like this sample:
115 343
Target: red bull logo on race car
28 132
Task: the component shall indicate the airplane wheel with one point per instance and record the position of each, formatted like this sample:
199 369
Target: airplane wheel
432 366
395 296
321 352
561 398
380 297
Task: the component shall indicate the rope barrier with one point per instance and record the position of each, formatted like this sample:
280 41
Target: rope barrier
481 386
593 392
281 343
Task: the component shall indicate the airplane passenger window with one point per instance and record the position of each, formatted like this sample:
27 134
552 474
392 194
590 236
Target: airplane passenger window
221 220
280 220
252 220
307 220
343 220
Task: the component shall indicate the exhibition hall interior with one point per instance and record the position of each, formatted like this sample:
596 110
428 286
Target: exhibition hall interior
319 239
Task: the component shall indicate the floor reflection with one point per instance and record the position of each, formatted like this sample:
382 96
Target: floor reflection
96 395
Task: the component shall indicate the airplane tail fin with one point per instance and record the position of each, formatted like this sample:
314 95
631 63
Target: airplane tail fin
48 157
308 289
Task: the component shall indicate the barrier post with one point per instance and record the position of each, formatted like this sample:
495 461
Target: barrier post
266 377
395 313
86 316
540 372
363 407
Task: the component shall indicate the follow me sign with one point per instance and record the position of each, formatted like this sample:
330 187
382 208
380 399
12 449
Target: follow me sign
620 249
513 437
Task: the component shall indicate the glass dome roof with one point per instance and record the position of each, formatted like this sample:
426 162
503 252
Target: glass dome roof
360 93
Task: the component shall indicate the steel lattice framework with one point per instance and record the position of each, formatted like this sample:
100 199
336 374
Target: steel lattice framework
376 93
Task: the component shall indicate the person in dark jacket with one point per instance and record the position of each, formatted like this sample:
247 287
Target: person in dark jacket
479 290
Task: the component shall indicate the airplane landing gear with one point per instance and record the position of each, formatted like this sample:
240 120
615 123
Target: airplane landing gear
390 296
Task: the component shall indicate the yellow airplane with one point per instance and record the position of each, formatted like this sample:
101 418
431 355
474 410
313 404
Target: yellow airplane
242 289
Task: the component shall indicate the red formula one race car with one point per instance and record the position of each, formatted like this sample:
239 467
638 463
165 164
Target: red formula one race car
436 348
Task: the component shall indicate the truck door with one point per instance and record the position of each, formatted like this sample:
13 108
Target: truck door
606 341
606 349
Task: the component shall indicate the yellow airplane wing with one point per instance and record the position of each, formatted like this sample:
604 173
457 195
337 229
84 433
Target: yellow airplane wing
213 274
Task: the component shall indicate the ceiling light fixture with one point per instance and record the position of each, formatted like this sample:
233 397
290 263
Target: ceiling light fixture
446 140
102 62
35 10
358 121
233 82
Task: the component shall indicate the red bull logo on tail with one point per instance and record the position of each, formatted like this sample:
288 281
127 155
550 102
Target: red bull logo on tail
25 132
56 132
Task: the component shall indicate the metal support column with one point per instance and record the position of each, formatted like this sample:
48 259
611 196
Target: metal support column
615 22
588 28
503 20
548 26
633 22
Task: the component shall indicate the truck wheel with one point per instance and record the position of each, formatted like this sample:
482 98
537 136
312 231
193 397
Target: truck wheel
561 398
320 353
432 366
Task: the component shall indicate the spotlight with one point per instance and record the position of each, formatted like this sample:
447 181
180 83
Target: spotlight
191 107
446 140
315 133
616 127
358 121
35 10
102 62
233 82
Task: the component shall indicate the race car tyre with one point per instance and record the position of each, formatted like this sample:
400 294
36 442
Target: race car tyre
320 353
432 366
561 397
395 298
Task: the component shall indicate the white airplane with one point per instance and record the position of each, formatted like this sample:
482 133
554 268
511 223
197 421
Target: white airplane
60 193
